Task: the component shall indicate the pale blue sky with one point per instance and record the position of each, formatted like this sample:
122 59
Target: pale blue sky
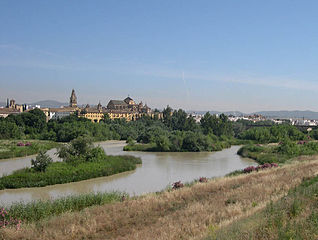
235 55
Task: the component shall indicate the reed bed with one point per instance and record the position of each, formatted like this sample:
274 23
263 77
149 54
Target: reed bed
37 210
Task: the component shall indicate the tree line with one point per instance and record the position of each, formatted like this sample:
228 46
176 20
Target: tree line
174 132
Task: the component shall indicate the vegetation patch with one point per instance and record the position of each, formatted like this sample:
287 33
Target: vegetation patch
280 153
18 148
37 210
81 161
295 216
199 209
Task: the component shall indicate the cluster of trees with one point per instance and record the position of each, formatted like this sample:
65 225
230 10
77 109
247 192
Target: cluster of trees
280 153
179 132
17 126
275 133
176 126
80 150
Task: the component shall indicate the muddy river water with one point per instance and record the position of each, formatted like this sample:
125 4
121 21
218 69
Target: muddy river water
158 170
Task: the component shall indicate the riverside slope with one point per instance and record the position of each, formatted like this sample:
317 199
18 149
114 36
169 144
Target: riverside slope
188 213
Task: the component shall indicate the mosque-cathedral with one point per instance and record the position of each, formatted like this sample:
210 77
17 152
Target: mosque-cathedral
115 109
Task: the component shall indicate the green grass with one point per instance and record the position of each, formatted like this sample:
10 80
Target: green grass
38 210
9 148
295 217
62 172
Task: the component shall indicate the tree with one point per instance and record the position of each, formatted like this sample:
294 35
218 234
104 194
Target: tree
106 118
167 115
81 149
211 124
163 143
41 162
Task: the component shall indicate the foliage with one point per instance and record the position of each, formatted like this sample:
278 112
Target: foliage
37 210
63 172
79 150
211 124
9 148
276 133
181 141
41 162
280 153
6 220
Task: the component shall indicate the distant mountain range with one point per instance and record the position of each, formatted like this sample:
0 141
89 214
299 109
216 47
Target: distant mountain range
49 104
273 114
290 114
44 104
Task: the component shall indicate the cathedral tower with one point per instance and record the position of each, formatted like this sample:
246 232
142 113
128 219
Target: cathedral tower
73 99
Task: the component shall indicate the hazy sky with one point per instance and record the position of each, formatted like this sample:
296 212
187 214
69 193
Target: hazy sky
234 55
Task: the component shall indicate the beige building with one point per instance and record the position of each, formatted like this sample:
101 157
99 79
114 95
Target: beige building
4 112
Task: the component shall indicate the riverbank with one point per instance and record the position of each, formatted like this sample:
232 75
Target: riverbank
295 216
198 146
189 212
22 148
63 172
279 153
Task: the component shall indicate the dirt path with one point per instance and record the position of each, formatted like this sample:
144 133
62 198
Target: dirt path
187 213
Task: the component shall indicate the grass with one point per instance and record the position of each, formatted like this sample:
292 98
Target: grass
38 210
295 216
62 172
186 213
9 148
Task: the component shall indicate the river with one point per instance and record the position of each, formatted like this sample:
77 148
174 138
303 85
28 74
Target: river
158 170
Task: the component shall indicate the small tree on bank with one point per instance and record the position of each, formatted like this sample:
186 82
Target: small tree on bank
41 162
81 149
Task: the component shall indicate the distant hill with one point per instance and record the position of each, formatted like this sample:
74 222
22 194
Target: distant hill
289 114
49 104
234 113
273 114
44 104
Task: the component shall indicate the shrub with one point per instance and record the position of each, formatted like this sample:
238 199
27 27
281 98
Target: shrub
7 220
81 149
177 185
203 179
41 162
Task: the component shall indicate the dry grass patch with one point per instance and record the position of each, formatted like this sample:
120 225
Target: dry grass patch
187 213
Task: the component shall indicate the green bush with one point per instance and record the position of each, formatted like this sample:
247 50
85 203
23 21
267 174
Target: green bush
41 162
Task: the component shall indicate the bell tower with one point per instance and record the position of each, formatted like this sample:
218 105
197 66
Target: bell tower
73 99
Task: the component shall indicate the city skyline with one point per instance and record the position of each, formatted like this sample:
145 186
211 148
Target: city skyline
208 55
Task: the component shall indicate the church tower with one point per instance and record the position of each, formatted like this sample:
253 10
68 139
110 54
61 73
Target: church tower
73 99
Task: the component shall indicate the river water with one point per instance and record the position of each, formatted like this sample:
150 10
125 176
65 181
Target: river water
158 170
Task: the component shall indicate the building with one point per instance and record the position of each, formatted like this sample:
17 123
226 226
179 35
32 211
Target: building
11 108
4 112
58 113
73 99
118 109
